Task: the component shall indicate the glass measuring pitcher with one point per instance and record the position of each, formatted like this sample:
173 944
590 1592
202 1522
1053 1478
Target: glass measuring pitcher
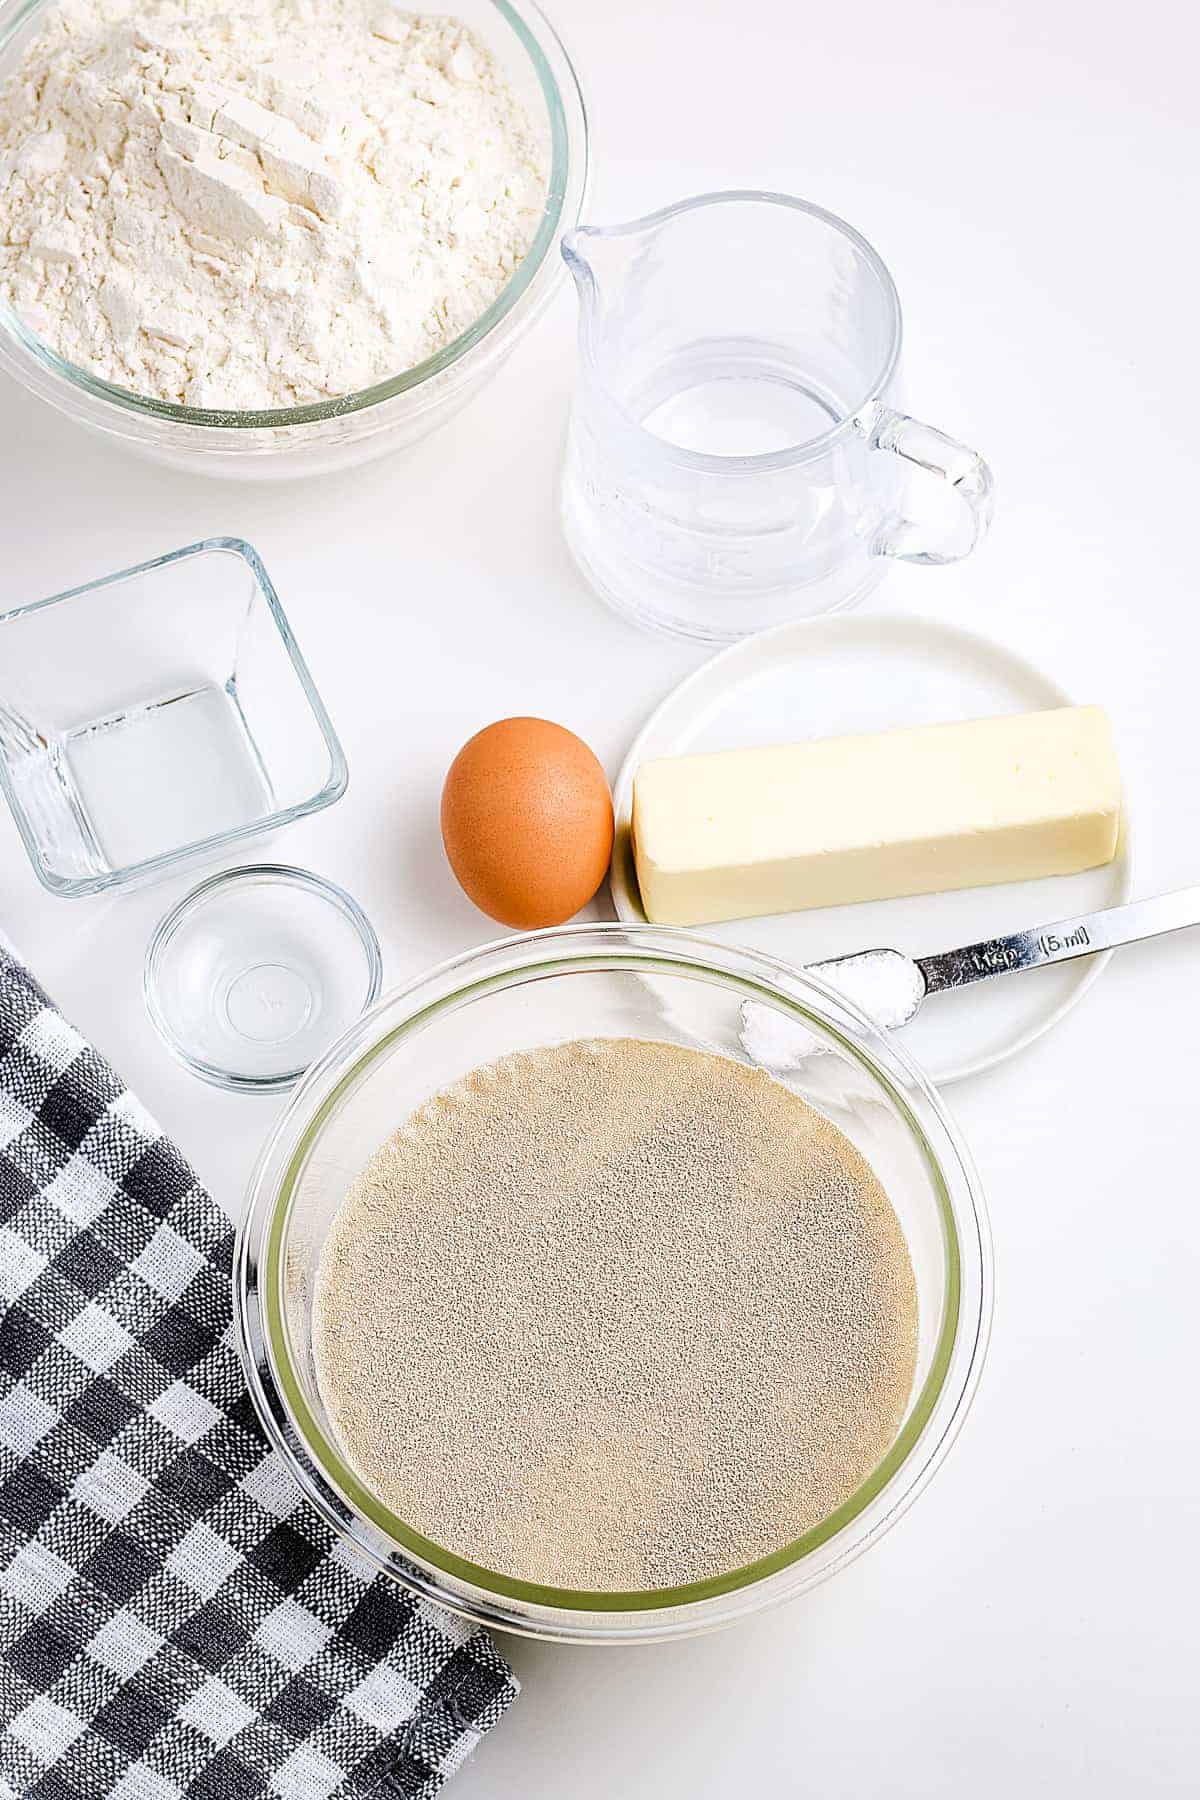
735 458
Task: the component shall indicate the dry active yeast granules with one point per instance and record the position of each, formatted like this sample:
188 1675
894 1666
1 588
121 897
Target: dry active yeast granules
615 1315
258 203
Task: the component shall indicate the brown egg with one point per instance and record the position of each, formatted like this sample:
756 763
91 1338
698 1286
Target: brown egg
527 822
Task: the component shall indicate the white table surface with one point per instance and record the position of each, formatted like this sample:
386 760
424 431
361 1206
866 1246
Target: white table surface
1028 170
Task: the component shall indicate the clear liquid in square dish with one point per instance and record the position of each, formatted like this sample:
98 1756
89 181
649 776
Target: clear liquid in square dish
174 771
156 714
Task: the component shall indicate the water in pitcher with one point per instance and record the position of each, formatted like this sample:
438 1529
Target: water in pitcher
724 408
735 457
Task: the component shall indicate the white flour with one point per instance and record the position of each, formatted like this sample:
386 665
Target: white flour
262 203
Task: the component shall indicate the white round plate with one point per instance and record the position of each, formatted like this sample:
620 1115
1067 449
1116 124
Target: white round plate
825 677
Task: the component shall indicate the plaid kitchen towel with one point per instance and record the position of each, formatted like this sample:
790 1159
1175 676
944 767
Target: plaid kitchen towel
174 1618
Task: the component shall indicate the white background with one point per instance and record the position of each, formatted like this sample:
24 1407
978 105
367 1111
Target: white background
1028 170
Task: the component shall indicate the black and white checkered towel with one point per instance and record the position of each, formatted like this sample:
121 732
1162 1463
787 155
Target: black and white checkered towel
174 1619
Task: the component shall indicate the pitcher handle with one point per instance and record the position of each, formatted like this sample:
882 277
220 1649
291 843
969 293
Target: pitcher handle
963 468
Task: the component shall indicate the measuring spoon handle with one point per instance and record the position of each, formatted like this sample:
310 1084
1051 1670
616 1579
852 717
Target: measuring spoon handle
1086 935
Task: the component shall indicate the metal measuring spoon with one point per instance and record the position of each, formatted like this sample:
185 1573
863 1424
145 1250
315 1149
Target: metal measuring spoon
893 987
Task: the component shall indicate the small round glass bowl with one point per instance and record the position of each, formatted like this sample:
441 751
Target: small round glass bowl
255 973
356 428
609 981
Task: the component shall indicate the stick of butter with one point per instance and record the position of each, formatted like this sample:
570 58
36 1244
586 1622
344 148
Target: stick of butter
838 820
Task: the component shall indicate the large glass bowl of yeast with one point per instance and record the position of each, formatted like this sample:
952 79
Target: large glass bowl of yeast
593 992
329 434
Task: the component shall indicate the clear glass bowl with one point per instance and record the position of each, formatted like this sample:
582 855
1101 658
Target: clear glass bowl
609 981
253 974
336 434
159 715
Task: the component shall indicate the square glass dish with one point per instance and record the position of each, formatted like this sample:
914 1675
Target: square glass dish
158 715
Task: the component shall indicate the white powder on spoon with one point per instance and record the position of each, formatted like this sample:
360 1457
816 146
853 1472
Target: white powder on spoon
615 1315
259 203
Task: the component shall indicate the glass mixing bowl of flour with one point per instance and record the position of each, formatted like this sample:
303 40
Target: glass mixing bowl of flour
544 993
356 427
